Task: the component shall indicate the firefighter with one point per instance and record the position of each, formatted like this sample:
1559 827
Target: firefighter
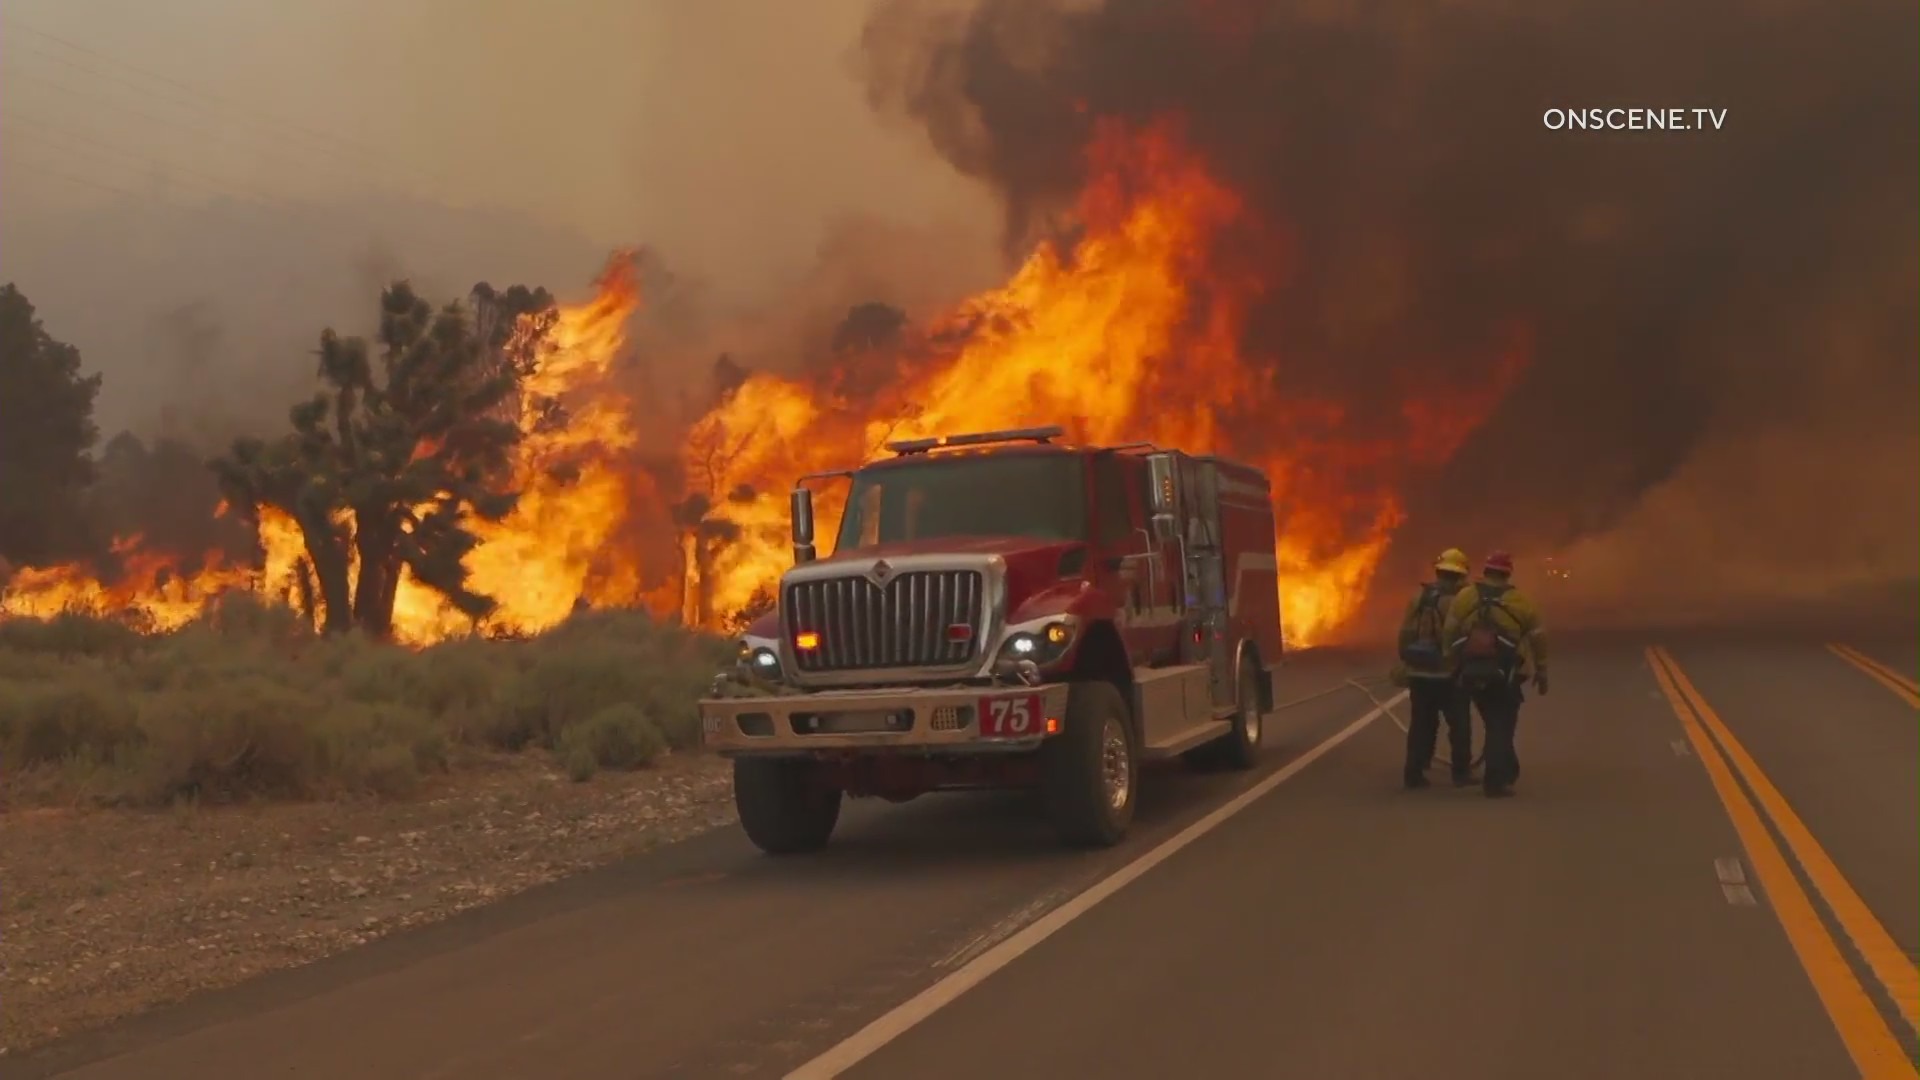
1432 691
1494 639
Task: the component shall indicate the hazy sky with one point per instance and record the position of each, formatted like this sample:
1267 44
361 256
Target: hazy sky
731 134
723 130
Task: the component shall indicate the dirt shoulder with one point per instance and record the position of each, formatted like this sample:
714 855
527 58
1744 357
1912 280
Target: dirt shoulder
105 913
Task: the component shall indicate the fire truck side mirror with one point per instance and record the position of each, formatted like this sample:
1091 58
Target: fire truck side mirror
1166 527
802 526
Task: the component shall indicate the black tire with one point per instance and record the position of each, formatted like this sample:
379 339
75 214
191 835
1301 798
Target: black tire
1089 805
1239 748
783 808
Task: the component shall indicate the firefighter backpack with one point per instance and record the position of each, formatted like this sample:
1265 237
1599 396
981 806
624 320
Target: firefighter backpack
1421 651
1486 650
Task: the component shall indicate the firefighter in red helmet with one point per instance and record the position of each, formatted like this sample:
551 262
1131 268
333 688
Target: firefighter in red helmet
1495 643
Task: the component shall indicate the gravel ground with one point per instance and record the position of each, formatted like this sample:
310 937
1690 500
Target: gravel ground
107 913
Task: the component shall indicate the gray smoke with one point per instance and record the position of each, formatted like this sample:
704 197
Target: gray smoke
1685 291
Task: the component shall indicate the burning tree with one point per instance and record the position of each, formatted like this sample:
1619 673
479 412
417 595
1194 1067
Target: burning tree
46 429
863 349
387 467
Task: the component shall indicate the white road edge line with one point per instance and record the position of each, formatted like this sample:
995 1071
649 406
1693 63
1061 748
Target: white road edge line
868 1040
1003 929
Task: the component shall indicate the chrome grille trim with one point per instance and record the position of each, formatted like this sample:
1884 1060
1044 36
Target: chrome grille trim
901 624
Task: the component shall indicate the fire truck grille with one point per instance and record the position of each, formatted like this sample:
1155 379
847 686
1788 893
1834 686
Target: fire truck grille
922 618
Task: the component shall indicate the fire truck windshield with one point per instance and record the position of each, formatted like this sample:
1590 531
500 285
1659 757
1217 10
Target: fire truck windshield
1034 495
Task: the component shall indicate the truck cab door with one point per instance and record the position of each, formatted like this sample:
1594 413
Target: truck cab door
1139 578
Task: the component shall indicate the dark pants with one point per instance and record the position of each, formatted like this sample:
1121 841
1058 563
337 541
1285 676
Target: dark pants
1432 700
1499 706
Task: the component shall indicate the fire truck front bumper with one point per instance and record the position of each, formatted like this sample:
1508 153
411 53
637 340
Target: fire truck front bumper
944 720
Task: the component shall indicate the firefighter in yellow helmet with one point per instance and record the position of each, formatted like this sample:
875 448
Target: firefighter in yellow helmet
1494 638
1432 691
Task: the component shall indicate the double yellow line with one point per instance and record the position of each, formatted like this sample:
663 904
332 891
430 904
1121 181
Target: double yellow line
1862 1028
1903 687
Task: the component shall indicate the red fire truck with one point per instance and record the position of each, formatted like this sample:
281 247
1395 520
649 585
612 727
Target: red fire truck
1002 610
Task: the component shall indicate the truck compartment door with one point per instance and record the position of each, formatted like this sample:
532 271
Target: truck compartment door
1205 627
1210 552
1174 711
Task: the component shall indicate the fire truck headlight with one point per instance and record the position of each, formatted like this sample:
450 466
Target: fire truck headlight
1041 641
758 658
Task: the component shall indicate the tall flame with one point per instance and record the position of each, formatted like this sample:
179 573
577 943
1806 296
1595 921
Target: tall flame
1133 333
551 553
554 550
1103 341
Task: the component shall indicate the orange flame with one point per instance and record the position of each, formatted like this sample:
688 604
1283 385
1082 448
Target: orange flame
551 552
1117 341
1085 341
1134 333
554 550
154 591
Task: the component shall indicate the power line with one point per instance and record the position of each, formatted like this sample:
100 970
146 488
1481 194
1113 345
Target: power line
370 154
75 143
189 88
16 163
108 76
176 123
189 106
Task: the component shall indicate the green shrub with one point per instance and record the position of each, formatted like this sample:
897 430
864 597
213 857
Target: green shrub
17 666
378 748
248 617
199 658
248 737
458 680
55 722
70 633
246 702
616 737
334 655
673 697
369 673
559 687
609 625
663 669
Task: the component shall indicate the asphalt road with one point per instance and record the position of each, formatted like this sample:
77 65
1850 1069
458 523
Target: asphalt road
1712 870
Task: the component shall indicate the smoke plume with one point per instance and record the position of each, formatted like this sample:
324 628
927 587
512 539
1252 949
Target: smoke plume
1709 311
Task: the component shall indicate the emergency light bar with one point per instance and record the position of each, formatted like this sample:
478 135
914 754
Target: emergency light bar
1041 435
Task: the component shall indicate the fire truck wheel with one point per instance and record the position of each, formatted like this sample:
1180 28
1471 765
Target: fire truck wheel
1241 749
783 808
1090 772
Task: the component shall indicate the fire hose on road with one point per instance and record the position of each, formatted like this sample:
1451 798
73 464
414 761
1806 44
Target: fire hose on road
1439 755
1356 684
